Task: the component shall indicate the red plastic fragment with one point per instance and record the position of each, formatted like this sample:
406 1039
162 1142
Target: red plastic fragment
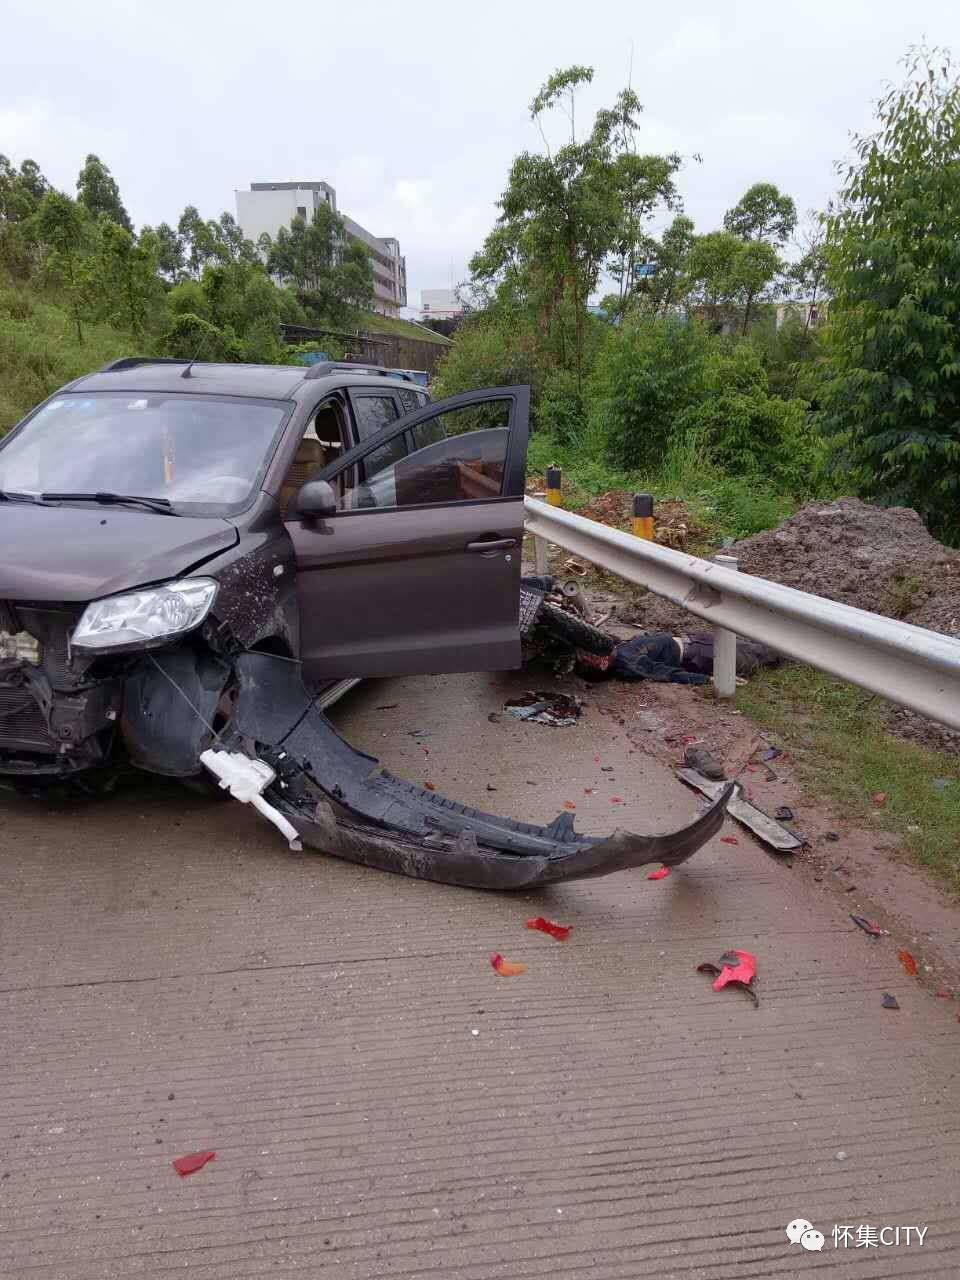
735 966
729 840
506 968
588 791
908 962
659 873
616 799
596 759
943 994
559 931
568 804
879 798
429 786
868 926
191 1163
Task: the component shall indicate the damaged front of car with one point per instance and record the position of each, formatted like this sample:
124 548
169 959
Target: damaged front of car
137 554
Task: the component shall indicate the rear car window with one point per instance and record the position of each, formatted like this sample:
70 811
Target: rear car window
411 400
373 413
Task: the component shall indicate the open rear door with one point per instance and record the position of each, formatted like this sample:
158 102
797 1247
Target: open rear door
419 570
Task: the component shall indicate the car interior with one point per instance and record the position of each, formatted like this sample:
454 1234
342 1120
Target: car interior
322 443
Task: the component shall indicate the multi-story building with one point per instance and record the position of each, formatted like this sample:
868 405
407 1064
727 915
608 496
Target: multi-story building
440 304
268 206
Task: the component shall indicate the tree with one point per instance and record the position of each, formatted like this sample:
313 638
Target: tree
762 213
128 273
332 274
893 390
98 192
199 244
565 212
21 191
168 249
62 227
659 293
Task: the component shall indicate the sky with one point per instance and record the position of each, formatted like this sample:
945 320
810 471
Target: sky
415 111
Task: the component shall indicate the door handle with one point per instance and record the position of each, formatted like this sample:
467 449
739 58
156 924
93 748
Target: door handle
495 544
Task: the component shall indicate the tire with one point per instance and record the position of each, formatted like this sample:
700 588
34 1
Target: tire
574 631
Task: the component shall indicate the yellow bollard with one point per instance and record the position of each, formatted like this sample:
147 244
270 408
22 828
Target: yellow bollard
643 515
554 486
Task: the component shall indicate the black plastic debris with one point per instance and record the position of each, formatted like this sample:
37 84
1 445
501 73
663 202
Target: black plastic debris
699 758
784 813
889 1001
558 709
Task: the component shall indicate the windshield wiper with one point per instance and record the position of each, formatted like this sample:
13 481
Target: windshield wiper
163 505
10 495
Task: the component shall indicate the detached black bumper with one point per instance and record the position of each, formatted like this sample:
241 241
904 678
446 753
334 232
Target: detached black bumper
342 802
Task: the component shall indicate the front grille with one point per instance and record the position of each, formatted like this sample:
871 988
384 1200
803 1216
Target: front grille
22 725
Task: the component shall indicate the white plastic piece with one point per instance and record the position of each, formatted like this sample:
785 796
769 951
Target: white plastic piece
246 779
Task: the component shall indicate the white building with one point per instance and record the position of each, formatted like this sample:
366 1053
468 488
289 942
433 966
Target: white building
440 304
268 206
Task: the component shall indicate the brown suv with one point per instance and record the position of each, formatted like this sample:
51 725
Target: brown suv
197 555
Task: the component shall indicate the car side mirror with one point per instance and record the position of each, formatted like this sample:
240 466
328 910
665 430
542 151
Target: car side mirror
316 501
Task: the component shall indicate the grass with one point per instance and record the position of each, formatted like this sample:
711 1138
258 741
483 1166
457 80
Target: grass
835 733
729 506
377 323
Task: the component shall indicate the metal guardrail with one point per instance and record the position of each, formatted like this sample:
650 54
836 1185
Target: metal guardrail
909 665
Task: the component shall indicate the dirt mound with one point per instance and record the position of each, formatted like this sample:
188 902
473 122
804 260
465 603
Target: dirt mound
876 558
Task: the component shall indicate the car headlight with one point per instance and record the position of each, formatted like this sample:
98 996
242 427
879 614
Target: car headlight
144 617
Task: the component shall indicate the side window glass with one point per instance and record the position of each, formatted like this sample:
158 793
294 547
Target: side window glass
373 414
458 456
410 399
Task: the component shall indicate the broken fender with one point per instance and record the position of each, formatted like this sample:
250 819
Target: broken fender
342 802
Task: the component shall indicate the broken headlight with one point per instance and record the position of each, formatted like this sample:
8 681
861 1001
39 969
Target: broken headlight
22 645
143 618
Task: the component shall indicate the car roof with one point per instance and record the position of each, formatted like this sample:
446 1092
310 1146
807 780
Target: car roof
271 381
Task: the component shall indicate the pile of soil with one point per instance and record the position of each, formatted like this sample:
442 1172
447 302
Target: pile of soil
877 558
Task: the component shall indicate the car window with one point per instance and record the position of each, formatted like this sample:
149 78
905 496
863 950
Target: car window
411 400
459 456
373 413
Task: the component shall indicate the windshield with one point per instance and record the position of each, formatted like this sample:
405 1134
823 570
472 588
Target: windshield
197 452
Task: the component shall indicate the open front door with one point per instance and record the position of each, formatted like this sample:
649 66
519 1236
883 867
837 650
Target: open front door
419 569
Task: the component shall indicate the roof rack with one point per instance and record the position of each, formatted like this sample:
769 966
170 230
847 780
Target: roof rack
131 362
323 368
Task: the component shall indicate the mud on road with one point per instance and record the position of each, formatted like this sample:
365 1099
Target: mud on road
383 1104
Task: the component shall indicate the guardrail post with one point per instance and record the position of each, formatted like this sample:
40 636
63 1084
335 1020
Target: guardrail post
725 647
643 516
554 486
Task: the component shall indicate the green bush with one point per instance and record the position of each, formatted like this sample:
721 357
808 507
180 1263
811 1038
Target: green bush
646 374
487 353
190 337
560 410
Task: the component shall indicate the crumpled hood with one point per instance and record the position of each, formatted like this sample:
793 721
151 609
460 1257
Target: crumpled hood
79 553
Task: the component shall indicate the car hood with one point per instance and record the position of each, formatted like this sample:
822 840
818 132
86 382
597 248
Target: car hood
74 553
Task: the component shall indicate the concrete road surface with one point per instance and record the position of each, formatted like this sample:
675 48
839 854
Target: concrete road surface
382 1104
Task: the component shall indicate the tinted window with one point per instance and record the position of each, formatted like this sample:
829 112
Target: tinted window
373 414
411 400
462 461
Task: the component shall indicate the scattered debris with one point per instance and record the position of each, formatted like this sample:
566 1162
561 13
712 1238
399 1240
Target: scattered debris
868 926
388 706
490 787
429 786
568 804
574 566
506 968
729 840
616 800
943 994
908 962
190 1164
832 836
840 1156
889 1001
735 966
659 873
559 931
699 758
772 753
784 813
760 823
557 709
494 717
879 798
606 768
